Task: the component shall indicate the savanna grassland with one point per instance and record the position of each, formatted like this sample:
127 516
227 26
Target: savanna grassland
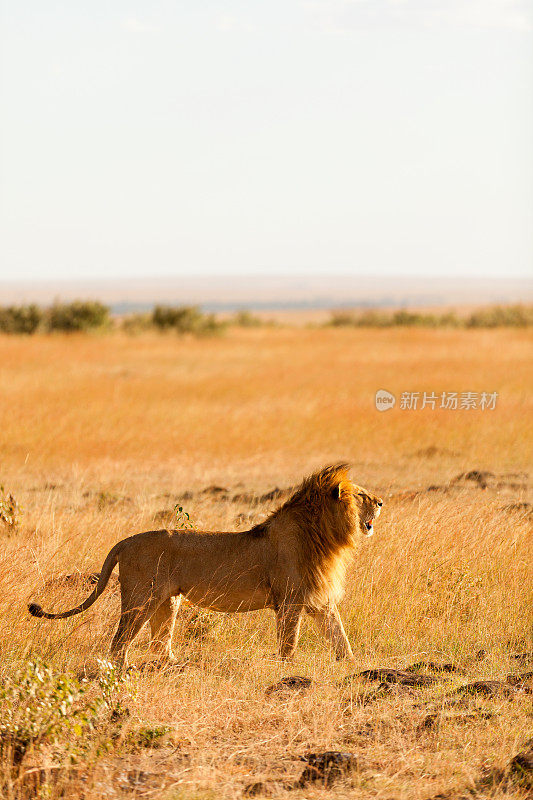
101 436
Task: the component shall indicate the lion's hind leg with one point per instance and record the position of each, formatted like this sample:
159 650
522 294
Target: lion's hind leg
162 624
136 610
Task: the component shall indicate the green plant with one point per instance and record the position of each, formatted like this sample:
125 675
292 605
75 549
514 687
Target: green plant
517 316
135 323
105 499
41 705
245 319
200 623
183 520
10 510
20 319
185 319
149 736
78 316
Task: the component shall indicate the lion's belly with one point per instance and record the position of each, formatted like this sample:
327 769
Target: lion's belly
221 571
223 597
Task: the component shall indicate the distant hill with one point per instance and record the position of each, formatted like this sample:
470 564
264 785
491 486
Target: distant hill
264 292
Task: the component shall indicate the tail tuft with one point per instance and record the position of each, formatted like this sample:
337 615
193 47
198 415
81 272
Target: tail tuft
35 610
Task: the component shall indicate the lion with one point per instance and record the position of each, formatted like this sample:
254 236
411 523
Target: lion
293 562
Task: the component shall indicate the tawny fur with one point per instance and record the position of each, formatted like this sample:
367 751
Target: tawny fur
293 562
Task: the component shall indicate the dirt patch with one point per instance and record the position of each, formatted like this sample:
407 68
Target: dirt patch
105 499
486 479
78 580
397 676
433 451
265 788
219 492
293 683
481 477
267 497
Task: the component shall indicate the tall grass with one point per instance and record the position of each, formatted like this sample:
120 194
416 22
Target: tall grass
102 438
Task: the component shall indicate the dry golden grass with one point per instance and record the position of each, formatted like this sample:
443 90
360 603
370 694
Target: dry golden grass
102 435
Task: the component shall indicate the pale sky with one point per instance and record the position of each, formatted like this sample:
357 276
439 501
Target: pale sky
336 136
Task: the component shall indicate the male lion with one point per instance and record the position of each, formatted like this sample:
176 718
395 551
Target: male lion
293 562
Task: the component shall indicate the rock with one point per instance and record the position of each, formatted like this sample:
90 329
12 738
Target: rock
402 677
263 788
293 683
488 688
481 477
524 508
275 494
216 491
326 768
434 666
521 766
523 681
523 658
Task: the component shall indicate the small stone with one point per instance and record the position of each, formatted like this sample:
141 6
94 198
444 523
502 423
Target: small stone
326 768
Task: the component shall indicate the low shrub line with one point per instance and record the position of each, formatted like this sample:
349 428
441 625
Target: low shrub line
91 315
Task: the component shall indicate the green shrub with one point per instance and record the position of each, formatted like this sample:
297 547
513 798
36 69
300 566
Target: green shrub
517 316
20 319
137 322
39 705
78 316
361 319
183 520
10 510
149 737
245 319
185 319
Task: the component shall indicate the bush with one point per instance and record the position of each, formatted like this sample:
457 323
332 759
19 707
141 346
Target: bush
39 705
20 319
245 319
363 319
136 323
518 316
78 316
185 319
10 510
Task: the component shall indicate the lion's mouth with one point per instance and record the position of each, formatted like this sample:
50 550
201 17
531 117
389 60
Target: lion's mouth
368 526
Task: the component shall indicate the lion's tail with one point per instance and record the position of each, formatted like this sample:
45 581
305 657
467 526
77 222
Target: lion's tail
107 568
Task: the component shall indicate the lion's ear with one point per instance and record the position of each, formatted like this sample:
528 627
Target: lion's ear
336 492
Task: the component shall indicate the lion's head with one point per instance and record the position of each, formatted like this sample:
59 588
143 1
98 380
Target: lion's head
333 510
369 508
328 515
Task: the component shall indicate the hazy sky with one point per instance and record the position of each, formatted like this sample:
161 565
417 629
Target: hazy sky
389 136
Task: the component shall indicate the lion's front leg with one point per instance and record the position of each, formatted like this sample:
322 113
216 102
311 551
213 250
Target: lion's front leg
162 624
330 625
288 619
